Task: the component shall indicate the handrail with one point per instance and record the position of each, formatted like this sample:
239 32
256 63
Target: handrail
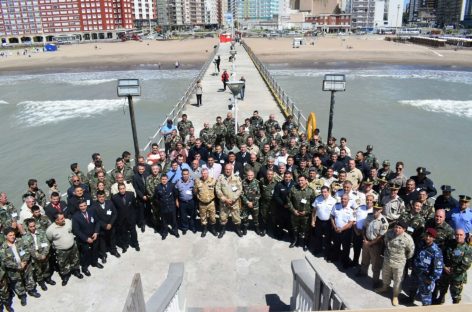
135 300
170 295
285 103
178 107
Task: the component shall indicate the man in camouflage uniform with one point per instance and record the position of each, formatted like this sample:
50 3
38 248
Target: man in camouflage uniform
228 191
265 153
184 125
220 131
444 231
67 255
8 213
39 246
36 192
5 299
300 199
75 171
120 167
370 158
204 189
42 222
399 247
427 267
267 186
229 123
256 121
374 228
253 165
16 258
207 135
152 181
415 222
457 260
250 199
427 209
314 182
241 137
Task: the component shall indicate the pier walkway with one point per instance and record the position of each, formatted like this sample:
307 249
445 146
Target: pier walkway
230 272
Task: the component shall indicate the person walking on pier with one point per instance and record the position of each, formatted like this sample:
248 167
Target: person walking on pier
199 92
217 62
243 89
224 79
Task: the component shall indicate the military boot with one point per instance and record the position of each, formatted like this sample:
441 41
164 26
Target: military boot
8 307
456 301
382 289
258 231
238 230
204 231
222 231
212 230
305 244
23 300
293 243
395 298
244 229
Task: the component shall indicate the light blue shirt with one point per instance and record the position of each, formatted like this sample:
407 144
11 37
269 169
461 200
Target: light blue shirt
185 189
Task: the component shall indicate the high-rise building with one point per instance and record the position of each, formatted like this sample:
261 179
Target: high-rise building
44 17
388 13
363 13
423 11
211 12
466 13
449 12
256 9
144 11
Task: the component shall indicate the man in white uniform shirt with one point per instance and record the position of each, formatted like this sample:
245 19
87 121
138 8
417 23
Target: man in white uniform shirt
357 198
321 221
342 219
361 214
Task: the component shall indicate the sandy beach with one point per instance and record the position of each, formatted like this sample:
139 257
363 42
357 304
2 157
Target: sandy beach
356 49
190 54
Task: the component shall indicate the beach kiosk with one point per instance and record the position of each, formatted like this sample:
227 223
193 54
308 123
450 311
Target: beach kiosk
297 42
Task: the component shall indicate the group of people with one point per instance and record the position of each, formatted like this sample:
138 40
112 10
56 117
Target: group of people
268 176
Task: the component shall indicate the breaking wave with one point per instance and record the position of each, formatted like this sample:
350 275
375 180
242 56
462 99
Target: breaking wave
458 108
38 113
441 75
4 102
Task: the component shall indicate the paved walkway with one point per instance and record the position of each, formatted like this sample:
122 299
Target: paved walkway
215 102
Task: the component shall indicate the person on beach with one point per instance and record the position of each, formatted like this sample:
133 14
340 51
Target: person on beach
199 92
225 79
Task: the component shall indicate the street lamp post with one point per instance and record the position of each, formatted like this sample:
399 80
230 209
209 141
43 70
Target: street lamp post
333 83
235 87
129 88
233 58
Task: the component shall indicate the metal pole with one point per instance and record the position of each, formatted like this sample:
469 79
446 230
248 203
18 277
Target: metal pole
133 127
235 115
331 115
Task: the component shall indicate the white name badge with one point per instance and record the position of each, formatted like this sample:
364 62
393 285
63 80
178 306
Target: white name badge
410 229
91 220
222 161
88 202
427 261
303 201
188 192
44 245
272 192
14 215
234 188
204 166
22 253
109 212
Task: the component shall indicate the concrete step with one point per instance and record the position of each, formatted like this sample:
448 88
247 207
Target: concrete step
254 308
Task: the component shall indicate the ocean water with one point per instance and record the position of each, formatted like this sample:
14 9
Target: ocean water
52 120
420 116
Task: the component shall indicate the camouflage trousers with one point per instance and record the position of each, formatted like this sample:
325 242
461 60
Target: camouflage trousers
22 281
207 212
234 210
68 260
395 273
425 291
265 211
41 270
299 224
454 285
372 255
4 290
253 212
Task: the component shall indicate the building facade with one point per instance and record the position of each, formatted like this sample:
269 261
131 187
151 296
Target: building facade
331 23
257 9
363 14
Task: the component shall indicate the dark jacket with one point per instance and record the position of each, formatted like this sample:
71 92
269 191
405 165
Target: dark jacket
281 192
127 210
83 229
194 150
238 169
164 196
51 212
243 159
263 171
139 185
73 203
105 215
220 157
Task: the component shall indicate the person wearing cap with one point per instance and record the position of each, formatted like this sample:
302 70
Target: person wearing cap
385 171
373 230
457 261
427 268
342 220
398 176
367 189
321 221
461 216
393 205
399 247
423 182
382 188
444 232
370 158
445 200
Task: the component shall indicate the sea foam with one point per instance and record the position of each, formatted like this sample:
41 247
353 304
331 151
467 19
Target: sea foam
3 102
458 108
38 113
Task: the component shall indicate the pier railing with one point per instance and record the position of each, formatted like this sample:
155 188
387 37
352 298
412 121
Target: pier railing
285 103
169 297
179 106
312 291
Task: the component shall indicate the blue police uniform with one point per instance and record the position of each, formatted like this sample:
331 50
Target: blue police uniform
165 196
428 267
461 219
186 205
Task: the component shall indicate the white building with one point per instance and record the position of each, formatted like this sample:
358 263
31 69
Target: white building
388 13
211 12
144 9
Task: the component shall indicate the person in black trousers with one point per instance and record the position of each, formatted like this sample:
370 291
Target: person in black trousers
125 204
106 214
86 227
139 184
165 196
